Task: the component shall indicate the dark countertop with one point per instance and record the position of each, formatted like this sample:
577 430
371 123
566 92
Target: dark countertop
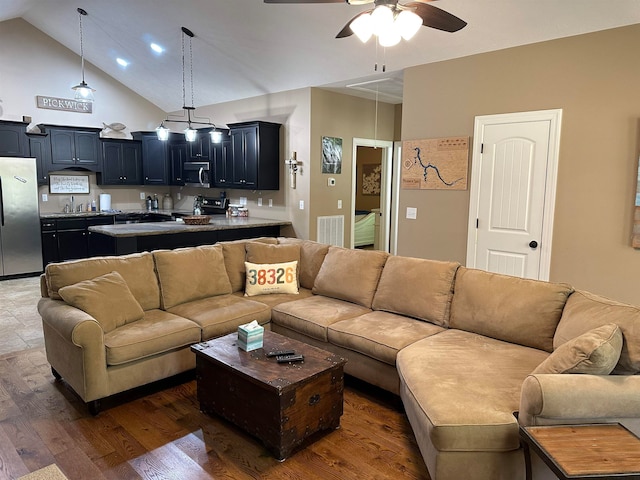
118 212
217 222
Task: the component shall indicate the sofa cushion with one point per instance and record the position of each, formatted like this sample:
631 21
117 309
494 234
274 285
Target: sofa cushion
426 295
268 278
191 273
156 333
473 388
350 275
585 311
595 352
513 309
311 257
311 316
106 298
380 335
266 253
222 314
274 299
234 257
137 269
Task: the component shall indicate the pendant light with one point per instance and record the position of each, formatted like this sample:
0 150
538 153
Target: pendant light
83 91
190 133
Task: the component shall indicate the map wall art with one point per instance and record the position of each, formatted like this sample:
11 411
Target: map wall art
435 164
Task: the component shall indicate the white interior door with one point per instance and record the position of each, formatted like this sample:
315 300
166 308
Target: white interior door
513 192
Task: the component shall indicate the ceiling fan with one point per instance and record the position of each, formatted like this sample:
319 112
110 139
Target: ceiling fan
390 21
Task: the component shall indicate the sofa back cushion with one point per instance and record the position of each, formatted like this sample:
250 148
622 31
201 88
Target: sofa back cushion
350 275
137 269
191 273
416 288
97 297
512 309
311 257
585 311
266 253
234 257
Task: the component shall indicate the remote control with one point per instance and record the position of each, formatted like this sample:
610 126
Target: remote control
289 358
279 353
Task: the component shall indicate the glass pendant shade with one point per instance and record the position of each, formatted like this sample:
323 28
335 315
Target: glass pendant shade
83 92
190 134
162 132
381 19
363 27
389 38
407 24
216 136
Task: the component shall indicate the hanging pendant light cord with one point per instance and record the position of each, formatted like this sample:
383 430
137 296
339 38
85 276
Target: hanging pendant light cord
81 13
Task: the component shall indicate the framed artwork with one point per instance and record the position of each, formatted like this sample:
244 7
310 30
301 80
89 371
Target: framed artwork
371 179
435 164
68 183
331 155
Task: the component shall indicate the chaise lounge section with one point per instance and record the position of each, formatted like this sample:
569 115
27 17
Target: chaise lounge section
464 349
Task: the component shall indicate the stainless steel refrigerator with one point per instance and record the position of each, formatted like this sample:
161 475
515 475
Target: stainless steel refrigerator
20 244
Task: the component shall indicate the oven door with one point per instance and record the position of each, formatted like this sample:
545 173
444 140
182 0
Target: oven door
196 174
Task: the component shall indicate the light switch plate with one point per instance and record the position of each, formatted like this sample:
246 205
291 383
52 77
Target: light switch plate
271 202
259 201
301 204
412 213
142 197
45 197
339 203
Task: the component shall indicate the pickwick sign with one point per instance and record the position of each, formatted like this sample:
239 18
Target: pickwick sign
64 104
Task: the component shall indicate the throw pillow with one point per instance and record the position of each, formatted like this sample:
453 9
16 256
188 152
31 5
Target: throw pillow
596 352
106 298
266 278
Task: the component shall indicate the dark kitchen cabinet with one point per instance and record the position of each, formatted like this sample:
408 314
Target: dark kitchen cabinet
200 149
121 162
255 153
13 142
155 158
68 238
222 162
177 157
40 149
73 147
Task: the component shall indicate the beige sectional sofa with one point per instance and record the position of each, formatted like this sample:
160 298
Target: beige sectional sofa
463 348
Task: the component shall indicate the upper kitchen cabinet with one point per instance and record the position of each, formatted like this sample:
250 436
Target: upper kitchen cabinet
13 142
200 149
177 156
73 147
40 149
255 153
222 162
155 158
121 162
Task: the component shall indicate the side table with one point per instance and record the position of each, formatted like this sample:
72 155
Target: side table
594 451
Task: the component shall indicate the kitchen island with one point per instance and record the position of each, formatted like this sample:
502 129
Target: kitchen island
140 237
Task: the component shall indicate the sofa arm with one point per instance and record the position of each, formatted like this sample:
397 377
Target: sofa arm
548 399
75 348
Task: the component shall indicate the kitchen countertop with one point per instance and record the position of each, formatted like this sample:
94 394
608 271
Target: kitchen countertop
217 222
119 212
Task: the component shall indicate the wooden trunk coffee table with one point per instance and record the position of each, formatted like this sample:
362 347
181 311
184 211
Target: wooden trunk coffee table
280 404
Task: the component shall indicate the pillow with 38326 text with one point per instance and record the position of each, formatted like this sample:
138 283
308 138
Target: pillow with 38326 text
267 278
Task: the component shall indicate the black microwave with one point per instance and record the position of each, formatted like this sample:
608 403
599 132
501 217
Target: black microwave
196 174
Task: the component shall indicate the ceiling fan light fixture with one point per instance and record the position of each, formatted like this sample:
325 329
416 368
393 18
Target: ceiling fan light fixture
363 27
389 38
381 20
407 24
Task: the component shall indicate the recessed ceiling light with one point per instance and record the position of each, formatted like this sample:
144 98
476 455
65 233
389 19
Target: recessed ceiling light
156 48
122 62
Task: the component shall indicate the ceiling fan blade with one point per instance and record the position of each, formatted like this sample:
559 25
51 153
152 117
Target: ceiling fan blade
436 18
346 31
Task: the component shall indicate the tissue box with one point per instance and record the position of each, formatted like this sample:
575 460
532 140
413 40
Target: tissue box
250 336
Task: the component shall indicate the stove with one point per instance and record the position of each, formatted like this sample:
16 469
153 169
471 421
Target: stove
214 205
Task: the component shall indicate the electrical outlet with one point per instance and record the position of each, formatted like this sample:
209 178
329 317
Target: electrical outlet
339 204
243 201
142 197
179 196
271 202
45 197
259 201
301 204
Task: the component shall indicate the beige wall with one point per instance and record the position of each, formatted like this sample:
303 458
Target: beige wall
595 80
347 117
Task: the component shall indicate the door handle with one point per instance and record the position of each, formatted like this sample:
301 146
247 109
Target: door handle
533 244
200 172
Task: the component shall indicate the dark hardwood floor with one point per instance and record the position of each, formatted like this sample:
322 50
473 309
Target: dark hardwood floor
159 433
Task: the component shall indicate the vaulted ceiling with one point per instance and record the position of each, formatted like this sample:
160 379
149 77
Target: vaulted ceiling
245 48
